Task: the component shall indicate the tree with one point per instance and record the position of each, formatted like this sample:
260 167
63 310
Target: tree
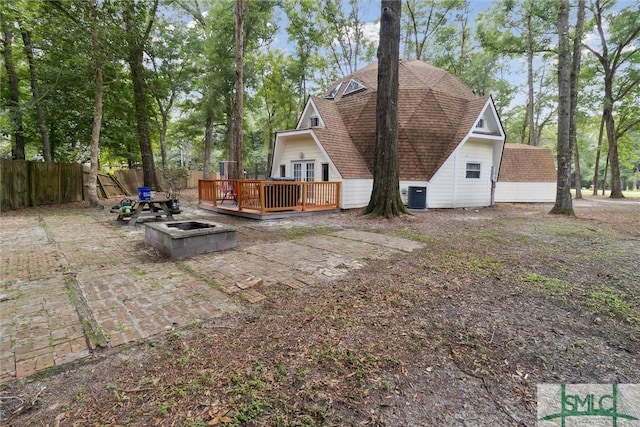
520 28
344 36
235 150
575 74
97 114
385 196
17 149
308 39
617 49
423 20
135 14
33 80
170 52
563 203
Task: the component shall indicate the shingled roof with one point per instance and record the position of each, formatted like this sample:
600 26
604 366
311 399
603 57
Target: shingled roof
435 112
525 163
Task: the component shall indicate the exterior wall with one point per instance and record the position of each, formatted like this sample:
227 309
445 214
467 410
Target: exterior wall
525 192
290 153
451 189
356 193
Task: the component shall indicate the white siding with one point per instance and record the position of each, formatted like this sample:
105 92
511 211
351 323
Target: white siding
525 192
451 189
290 153
356 193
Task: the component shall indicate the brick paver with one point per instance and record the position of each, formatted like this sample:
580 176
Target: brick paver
74 280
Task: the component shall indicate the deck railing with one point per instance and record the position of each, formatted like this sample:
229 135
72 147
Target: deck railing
269 196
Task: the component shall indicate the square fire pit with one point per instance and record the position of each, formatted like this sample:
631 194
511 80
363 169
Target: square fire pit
180 239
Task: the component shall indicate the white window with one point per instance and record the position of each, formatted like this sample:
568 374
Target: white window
314 121
283 171
352 87
472 170
480 124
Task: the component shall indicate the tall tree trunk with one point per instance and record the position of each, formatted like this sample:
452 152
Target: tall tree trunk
163 141
208 140
596 168
33 79
606 170
97 113
385 195
576 173
612 155
564 205
575 75
135 58
17 147
237 166
531 105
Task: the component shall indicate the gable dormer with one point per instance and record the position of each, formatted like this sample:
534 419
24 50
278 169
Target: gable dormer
487 123
310 117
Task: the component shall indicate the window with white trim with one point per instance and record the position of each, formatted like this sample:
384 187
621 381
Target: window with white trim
480 124
352 87
283 171
314 121
472 170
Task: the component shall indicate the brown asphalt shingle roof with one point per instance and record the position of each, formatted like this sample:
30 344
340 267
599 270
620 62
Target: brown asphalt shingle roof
525 163
435 112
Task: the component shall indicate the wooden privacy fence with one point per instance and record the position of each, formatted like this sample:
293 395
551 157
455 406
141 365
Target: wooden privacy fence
131 179
30 183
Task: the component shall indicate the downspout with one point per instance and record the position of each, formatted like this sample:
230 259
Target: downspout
455 179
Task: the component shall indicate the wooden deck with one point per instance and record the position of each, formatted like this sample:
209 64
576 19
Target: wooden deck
259 199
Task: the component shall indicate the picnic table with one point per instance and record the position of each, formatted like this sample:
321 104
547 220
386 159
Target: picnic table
156 207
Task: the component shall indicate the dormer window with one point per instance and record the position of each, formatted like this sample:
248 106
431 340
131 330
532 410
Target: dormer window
352 87
314 121
480 124
334 92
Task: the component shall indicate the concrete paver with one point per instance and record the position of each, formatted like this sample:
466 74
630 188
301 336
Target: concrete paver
73 281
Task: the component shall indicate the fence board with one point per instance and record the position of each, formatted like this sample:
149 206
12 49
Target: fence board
14 184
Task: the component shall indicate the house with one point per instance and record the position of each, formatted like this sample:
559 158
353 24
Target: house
527 175
450 140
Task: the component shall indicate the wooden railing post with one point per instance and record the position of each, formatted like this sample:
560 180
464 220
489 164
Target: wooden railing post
263 202
304 195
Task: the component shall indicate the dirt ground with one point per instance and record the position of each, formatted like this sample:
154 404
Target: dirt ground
456 334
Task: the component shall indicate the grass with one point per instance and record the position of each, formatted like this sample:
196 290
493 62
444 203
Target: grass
550 284
606 300
607 193
466 263
298 232
406 233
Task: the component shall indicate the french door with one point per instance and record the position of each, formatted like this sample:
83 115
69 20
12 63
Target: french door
304 171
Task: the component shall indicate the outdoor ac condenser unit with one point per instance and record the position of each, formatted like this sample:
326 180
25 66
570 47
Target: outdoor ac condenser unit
417 197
